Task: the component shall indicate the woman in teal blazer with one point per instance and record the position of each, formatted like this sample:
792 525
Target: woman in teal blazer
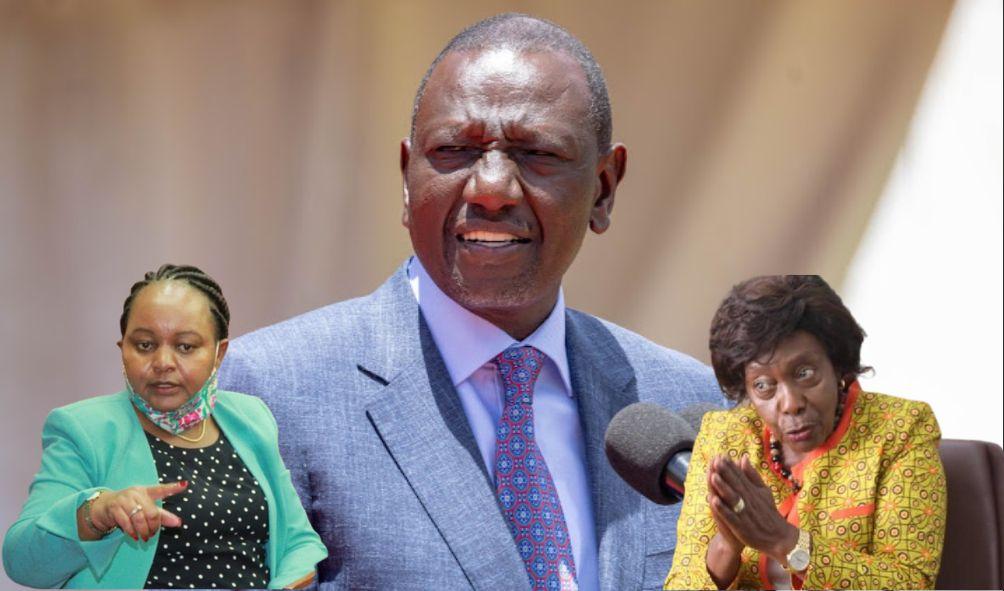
131 446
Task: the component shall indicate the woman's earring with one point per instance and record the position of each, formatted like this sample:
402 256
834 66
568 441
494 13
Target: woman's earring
843 385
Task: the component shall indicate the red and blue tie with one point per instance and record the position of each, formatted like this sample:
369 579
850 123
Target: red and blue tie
523 483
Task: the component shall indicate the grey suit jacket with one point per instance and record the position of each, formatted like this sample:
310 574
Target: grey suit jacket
387 467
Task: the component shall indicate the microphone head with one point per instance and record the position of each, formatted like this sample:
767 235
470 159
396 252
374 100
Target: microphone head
694 414
640 440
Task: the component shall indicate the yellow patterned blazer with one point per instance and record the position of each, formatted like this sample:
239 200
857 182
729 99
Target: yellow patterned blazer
873 498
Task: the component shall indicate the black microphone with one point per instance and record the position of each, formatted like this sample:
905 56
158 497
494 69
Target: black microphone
650 446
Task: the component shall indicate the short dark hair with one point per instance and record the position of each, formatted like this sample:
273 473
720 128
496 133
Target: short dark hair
194 277
522 32
760 312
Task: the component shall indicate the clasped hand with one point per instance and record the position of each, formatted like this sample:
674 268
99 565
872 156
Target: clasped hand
758 524
134 510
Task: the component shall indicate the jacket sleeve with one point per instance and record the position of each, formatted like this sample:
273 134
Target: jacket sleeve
910 506
42 548
302 548
696 526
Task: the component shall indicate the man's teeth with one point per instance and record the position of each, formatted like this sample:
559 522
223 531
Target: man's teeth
482 236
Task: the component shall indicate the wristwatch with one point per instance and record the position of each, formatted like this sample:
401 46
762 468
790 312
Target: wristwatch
87 514
798 558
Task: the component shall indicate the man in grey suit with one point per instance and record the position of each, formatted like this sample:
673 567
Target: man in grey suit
446 431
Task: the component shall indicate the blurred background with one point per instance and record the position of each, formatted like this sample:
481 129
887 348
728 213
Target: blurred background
259 141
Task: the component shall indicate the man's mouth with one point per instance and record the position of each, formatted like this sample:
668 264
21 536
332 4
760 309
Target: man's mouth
491 239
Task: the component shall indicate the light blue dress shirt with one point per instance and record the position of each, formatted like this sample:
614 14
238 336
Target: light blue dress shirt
468 344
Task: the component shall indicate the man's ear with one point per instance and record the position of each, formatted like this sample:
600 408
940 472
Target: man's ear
405 157
611 168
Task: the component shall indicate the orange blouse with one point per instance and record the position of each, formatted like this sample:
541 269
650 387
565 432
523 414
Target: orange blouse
873 497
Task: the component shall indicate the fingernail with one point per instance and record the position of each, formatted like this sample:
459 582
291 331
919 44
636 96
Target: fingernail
184 484
135 537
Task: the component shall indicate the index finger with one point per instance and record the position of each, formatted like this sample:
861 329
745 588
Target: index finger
739 479
746 465
730 471
162 491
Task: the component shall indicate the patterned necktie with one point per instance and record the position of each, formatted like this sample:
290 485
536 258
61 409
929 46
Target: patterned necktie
523 483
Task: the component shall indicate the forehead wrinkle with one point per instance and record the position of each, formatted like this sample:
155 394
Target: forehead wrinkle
499 92
520 117
479 99
519 72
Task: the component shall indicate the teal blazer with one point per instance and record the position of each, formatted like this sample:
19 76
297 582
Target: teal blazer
98 443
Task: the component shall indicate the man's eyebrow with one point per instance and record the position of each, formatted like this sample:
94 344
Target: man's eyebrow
451 130
546 137
452 126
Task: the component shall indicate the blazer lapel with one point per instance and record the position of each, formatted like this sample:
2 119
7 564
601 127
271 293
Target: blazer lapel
604 383
420 420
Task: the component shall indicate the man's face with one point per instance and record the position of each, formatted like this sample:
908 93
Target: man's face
502 179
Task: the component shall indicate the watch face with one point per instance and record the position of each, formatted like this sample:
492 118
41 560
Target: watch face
798 560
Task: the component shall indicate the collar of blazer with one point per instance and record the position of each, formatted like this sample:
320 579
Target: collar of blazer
419 417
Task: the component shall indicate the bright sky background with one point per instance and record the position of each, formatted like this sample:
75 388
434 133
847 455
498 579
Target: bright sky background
926 282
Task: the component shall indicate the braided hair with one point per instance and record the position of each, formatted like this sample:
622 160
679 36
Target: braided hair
194 277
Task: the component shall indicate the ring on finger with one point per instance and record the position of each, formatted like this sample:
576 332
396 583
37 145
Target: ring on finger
739 506
135 510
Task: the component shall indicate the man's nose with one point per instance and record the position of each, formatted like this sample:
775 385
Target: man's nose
494 183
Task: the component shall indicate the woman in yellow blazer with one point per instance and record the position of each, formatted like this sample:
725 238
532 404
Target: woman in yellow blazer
809 481
171 482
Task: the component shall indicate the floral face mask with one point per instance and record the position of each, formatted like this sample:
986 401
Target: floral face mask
191 413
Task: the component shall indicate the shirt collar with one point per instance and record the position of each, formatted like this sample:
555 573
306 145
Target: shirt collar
466 341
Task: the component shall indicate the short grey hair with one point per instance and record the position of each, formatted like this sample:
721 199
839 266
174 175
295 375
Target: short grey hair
524 33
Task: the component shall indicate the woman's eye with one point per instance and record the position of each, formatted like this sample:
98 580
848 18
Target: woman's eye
806 372
144 346
185 348
762 387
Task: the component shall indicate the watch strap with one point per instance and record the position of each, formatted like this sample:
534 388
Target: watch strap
801 553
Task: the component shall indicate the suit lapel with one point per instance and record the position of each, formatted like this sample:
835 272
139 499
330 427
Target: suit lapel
419 418
604 383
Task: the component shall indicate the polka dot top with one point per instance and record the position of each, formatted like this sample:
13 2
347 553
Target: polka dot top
224 514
